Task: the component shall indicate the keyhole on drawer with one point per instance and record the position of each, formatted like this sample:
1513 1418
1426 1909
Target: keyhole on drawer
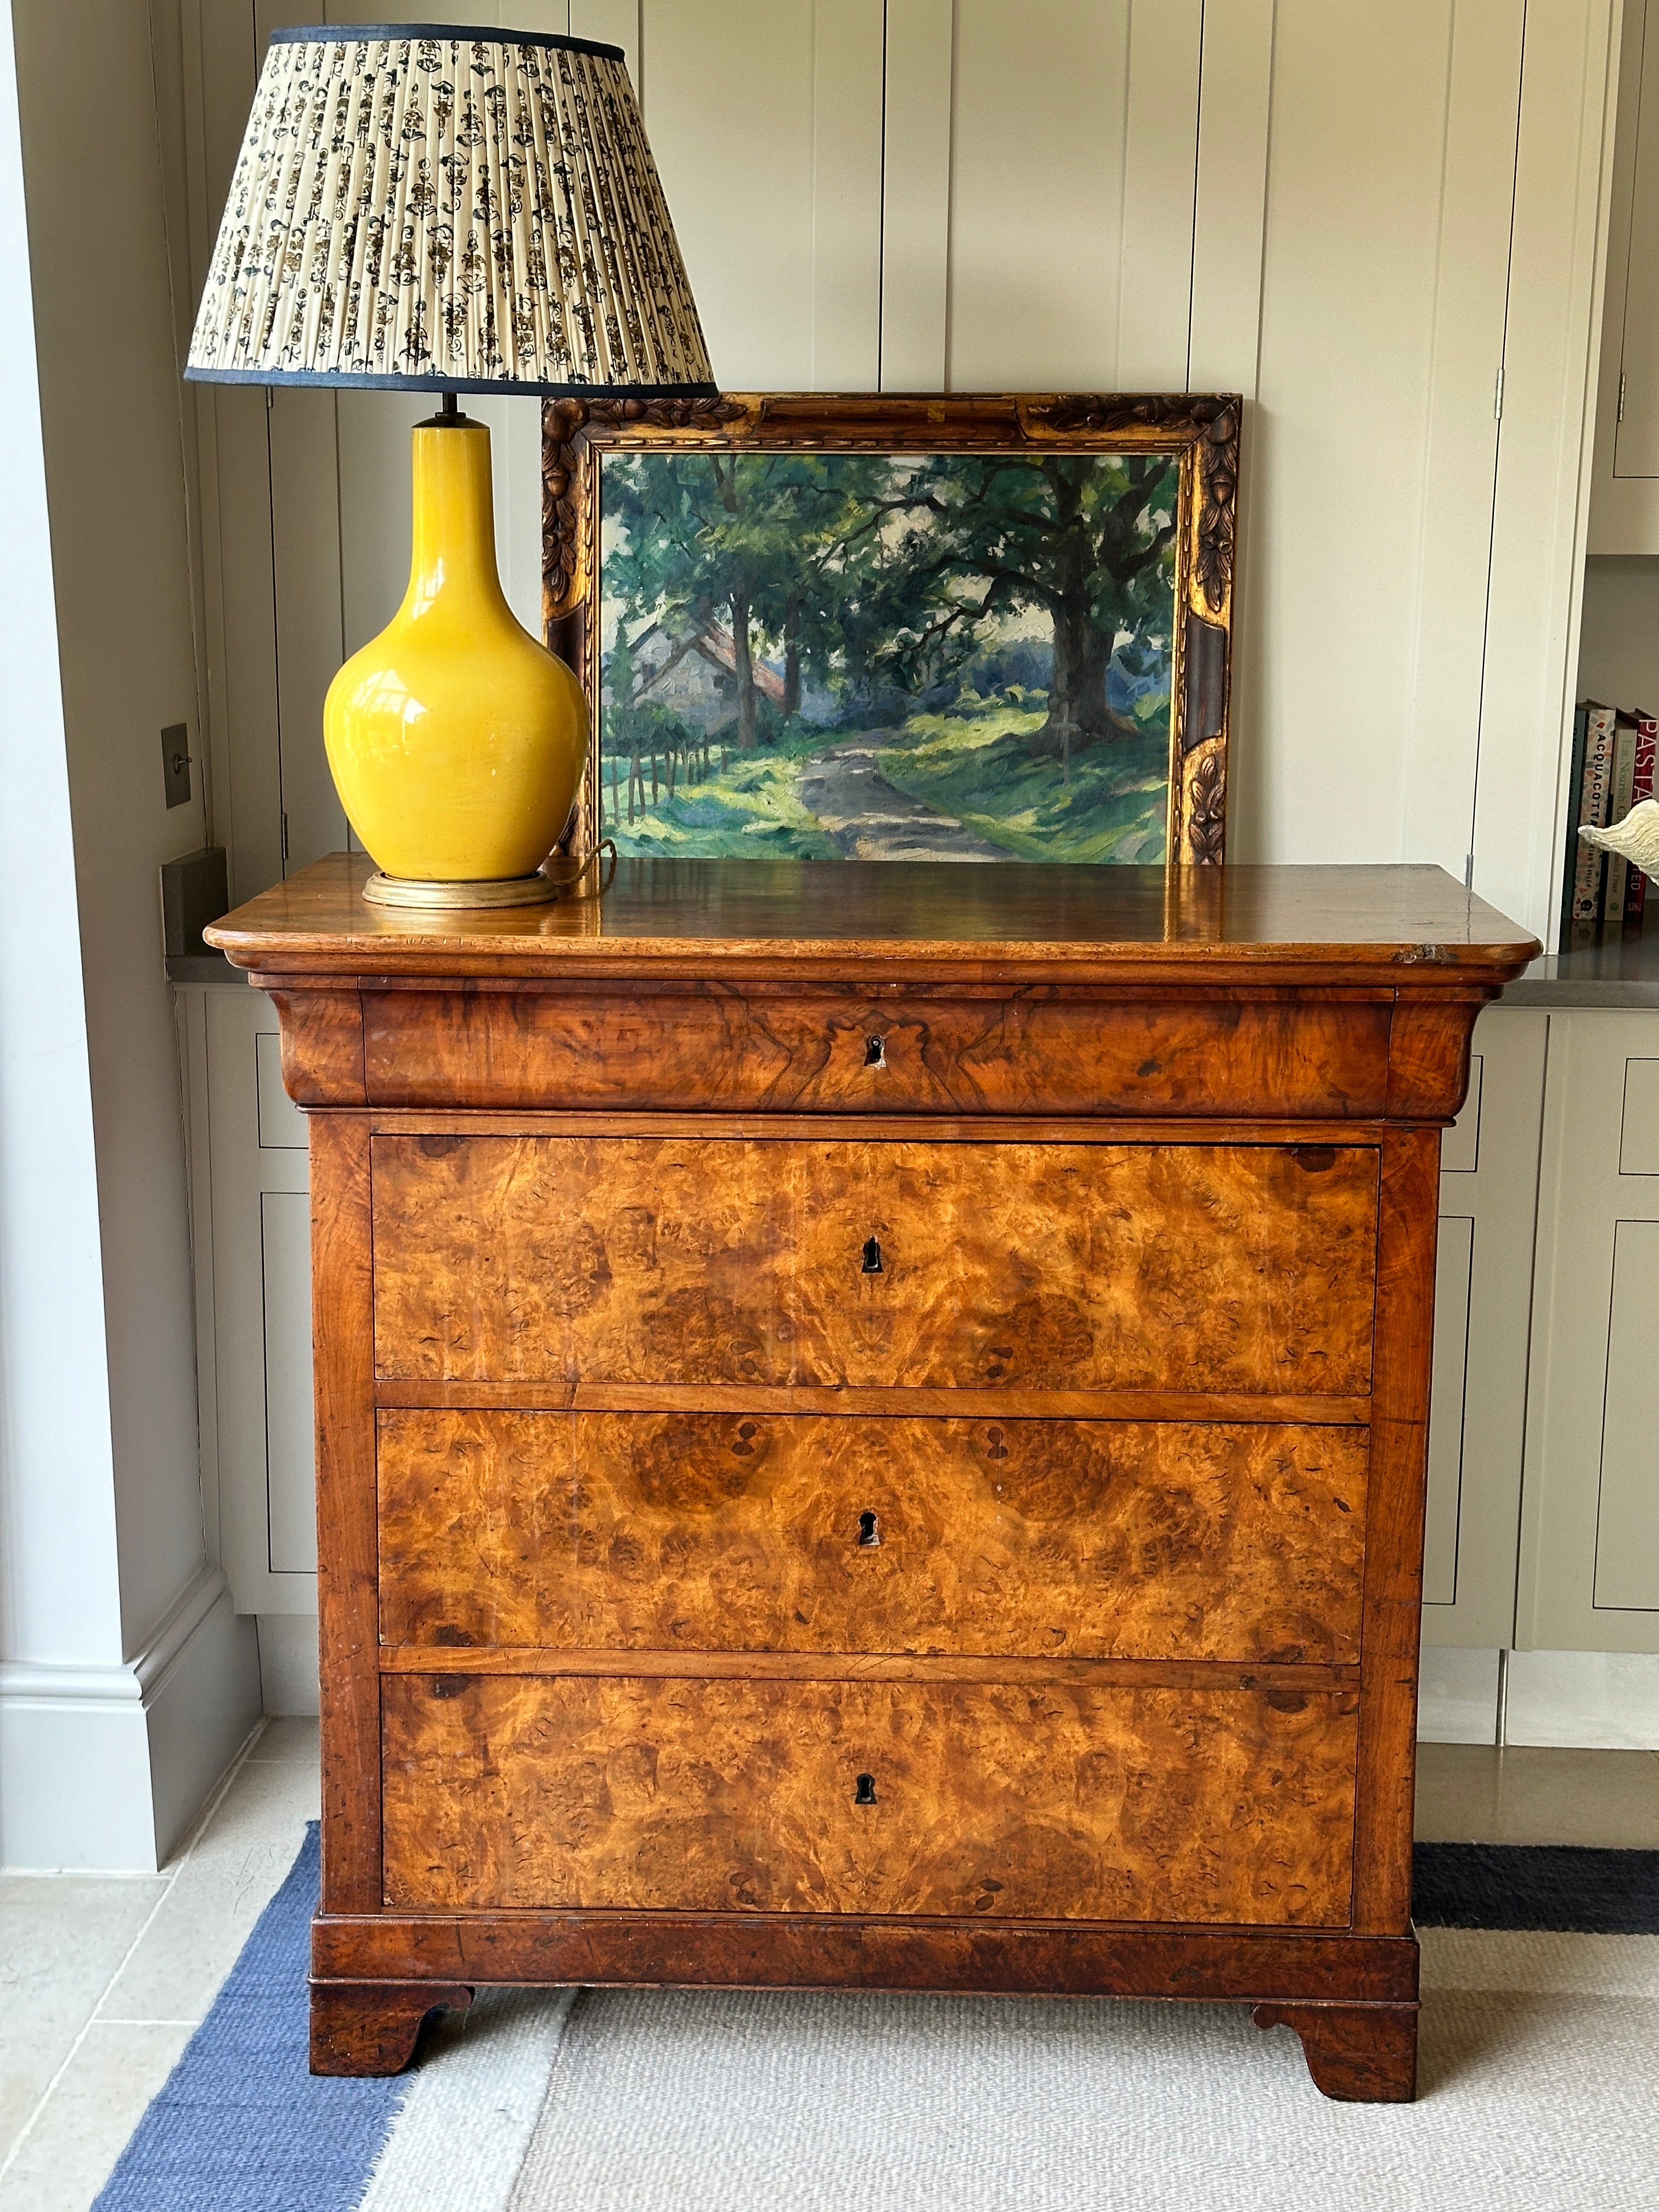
865 1792
872 1256
875 1052
868 1532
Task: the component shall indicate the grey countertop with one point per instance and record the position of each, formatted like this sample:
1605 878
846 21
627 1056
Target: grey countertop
1621 971
209 968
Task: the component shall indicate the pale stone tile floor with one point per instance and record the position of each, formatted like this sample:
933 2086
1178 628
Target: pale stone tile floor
102 1977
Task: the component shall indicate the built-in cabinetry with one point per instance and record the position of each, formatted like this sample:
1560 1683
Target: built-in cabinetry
1625 499
1483 1302
1543 1516
251 1226
1589 1523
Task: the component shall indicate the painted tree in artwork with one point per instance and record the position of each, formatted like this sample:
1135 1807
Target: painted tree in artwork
734 556
879 571
1087 537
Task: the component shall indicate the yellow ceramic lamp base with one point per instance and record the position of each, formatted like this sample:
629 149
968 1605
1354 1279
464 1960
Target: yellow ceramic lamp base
455 740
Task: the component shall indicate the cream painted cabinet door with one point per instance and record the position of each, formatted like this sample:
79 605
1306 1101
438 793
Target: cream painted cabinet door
1589 1550
1624 496
260 1258
1483 1302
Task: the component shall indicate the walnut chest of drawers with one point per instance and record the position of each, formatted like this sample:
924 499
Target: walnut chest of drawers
871 1430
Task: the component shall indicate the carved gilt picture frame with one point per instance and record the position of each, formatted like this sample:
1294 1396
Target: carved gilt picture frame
837 626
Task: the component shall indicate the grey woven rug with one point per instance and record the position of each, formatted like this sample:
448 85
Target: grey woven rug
1539 2078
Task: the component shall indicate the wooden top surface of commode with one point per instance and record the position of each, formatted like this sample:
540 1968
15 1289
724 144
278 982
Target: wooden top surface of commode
859 922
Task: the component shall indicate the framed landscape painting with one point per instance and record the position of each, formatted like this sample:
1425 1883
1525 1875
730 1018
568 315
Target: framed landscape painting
963 629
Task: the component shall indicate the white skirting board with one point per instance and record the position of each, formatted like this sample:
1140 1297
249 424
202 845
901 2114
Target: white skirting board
1581 1700
105 1767
1600 1700
1457 1696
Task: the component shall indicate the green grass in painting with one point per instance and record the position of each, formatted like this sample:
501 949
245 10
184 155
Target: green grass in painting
749 810
1108 804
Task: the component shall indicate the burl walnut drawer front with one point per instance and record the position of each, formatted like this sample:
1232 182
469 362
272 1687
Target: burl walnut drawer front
1041 1049
713 1532
671 1261
1230 1805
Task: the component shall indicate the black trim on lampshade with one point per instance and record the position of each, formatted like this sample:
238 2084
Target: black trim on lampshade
339 33
507 386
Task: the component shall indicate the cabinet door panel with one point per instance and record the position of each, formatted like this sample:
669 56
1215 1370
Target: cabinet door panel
290 1460
260 1226
1636 440
1627 1516
1589 1567
1483 1314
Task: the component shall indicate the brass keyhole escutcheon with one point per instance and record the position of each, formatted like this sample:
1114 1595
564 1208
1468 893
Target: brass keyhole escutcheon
872 1256
869 1534
864 1791
875 1052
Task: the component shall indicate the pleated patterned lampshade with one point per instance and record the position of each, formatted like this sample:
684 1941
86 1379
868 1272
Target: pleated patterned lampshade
447 209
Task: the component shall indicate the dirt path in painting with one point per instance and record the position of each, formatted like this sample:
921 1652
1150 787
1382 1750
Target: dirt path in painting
869 819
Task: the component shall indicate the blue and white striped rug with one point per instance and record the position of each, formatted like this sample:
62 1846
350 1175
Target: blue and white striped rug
1539 2076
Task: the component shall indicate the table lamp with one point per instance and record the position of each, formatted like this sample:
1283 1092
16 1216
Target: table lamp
422 208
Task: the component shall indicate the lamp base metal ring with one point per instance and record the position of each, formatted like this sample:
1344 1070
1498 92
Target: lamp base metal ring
505 890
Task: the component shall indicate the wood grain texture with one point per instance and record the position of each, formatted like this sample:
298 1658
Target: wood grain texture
1356 2054
1225 1807
1001 1267
372 2027
735 1533
803 1950
347 1551
1429 1057
1249 1406
595 1225
1394 1557
322 1032
864 1667
912 923
766 1050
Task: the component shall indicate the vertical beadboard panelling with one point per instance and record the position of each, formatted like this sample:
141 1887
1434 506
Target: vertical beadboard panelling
1462 452
916 199
846 136
613 23
239 586
1332 526
1037 194
1237 76
305 541
729 111
376 506
1229 224
1160 162
1557 273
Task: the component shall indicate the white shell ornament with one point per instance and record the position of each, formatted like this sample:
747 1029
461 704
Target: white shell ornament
1636 838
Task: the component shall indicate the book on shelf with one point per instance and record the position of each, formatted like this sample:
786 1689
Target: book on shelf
1595 789
1614 757
1619 805
1575 789
1647 743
